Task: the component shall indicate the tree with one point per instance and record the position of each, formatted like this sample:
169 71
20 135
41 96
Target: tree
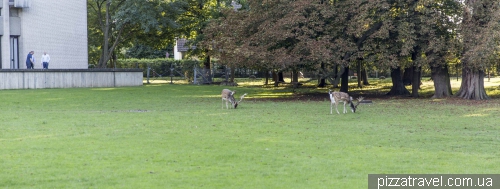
480 33
120 21
438 40
395 34
280 35
274 35
194 21
415 33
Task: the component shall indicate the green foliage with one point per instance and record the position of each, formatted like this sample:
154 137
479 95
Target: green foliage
177 136
481 32
151 23
160 65
147 52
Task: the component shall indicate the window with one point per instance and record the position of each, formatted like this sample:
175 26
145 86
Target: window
13 12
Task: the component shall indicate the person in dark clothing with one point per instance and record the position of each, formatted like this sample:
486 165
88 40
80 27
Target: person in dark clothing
30 61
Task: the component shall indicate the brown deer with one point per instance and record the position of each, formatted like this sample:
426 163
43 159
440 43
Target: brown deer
337 97
228 96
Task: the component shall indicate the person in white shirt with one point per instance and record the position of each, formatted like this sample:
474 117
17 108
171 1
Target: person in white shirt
45 60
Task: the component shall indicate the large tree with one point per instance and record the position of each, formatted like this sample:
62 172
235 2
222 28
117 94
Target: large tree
194 21
392 34
432 38
281 35
274 35
480 34
120 22
414 33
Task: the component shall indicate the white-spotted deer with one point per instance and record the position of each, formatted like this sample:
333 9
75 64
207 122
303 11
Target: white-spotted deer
337 97
228 96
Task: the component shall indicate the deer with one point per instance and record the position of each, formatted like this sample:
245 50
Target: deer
228 96
337 97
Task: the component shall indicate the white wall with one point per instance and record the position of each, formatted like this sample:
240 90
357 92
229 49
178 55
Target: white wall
5 39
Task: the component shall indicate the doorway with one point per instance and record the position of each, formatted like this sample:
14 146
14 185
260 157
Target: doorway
14 52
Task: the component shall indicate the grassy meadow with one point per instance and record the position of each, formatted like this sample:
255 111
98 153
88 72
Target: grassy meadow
177 136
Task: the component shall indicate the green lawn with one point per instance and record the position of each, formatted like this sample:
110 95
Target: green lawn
177 136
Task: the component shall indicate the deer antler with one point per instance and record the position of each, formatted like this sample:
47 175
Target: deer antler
241 98
359 100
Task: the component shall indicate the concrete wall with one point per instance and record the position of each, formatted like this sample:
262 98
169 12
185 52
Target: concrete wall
64 78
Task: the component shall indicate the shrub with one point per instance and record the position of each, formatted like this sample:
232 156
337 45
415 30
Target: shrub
161 65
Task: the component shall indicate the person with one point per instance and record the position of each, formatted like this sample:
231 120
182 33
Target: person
30 60
45 60
33 62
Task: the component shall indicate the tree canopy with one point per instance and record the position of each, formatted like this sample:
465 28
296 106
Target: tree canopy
320 34
283 34
122 23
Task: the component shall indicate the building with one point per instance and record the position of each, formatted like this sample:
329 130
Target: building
58 27
181 48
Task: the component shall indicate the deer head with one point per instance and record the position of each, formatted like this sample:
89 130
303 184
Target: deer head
354 107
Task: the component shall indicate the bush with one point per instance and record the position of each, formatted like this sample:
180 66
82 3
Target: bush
161 65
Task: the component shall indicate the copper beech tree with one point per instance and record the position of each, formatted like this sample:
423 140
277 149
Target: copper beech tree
390 34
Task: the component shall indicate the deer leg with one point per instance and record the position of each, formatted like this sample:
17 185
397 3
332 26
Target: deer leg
331 103
345 111
336 107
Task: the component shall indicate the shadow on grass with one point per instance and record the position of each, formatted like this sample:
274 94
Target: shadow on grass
377 90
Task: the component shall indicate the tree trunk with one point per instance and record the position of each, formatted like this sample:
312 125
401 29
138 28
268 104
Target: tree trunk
267 78
207 70
397 83
322 80
358 73
416 71
115 60
105 45
338 75
231 79
344 83
108 49
408 76
415 83
364 76
295 76
472 86
442 85
280 77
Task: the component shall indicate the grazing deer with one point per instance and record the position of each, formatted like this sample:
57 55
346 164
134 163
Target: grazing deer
337 97
228 96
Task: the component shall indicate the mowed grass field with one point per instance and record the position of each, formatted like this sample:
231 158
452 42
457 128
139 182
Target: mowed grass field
177 136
